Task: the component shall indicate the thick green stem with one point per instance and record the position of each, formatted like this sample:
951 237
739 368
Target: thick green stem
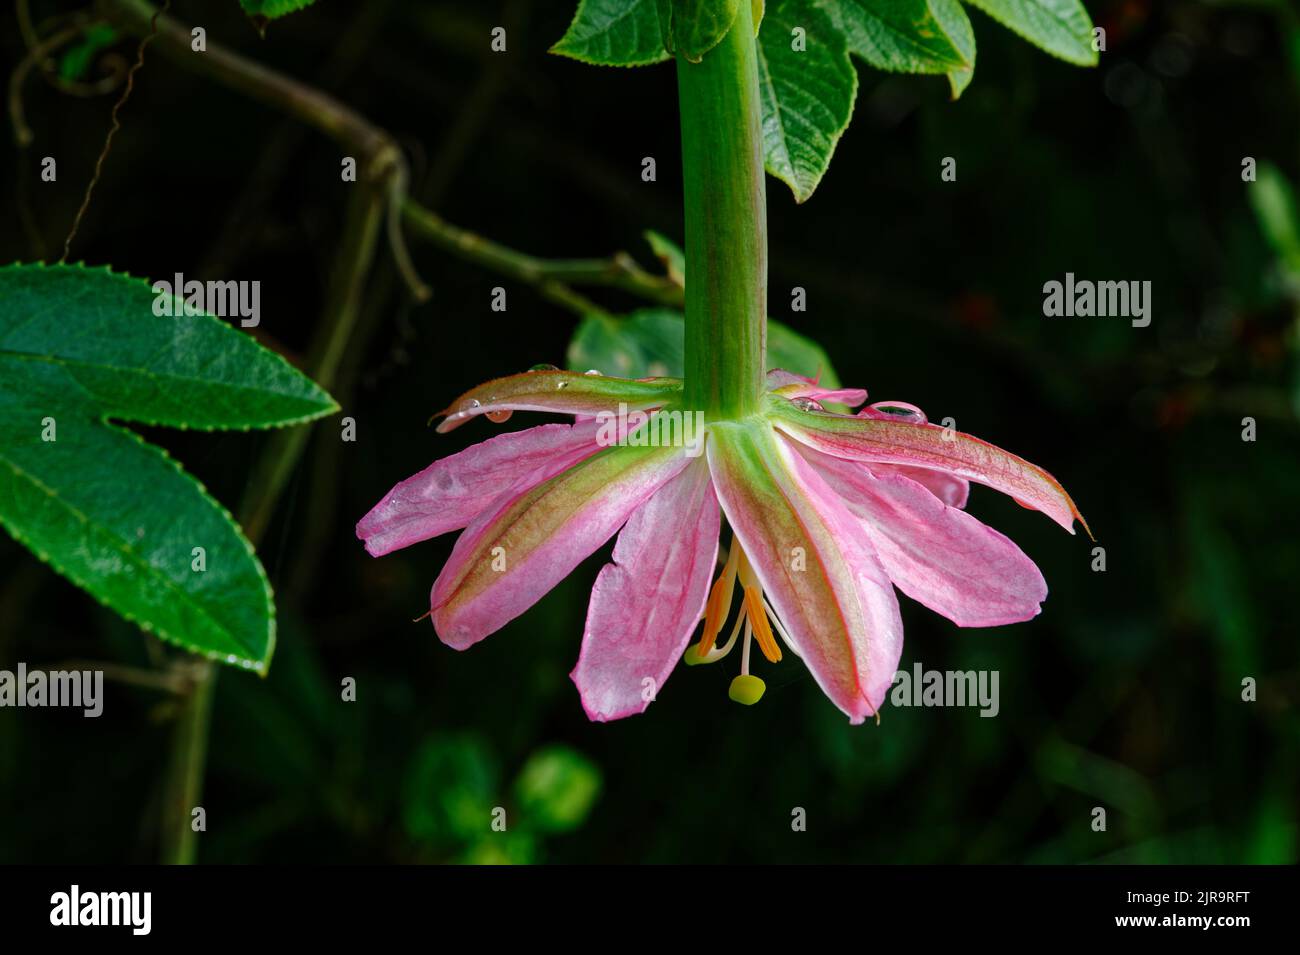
726 225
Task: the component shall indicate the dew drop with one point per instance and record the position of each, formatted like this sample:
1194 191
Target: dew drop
899 409
592 371
499 417
561 385
544 367
804 403
469 405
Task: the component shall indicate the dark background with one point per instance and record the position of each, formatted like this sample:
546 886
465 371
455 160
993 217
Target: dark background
1124 693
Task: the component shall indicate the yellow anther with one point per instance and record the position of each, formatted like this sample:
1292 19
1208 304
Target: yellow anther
747 689
693 656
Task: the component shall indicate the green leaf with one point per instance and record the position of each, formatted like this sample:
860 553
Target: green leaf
952 18
450 790
651 342
807 85
615 33
557 788
115 515
76 61
273 9
670 254
699 25
647 343
1060 27
901 36
1278 214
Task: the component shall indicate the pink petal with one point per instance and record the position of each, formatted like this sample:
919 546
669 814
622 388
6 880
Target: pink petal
451 492
645 604
948 488
564 392
837 603
541 536
790 385
937 555
873 441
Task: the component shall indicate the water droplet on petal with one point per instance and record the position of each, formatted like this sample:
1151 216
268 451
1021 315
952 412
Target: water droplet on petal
544 367
468 405
900 409
592 371
499 417
804 403
561 385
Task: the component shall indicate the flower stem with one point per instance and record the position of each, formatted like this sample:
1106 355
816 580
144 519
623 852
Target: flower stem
726 224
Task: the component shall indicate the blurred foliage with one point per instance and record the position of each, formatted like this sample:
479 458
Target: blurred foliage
1125 692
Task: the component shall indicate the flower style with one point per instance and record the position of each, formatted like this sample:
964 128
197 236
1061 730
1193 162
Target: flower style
829 513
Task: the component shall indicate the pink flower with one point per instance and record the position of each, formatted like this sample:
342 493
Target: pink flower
829 513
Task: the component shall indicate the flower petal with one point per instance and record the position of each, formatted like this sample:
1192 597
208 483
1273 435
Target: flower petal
517 550
452 491
815 563
645 604
953 491
790 385
937 555
567 392
872 440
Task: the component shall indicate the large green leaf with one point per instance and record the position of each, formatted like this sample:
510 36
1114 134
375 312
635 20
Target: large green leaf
1061 27
901 36
807 93
115 515
614 33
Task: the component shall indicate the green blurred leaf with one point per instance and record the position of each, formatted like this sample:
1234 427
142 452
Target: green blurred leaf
76 61
1059 27
557 788
450 791
807 85
1274 203
614 33
115 515
670 254
699 25
901 36
273 9
651 343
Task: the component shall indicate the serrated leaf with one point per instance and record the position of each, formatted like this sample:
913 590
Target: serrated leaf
1059 27
115 515
615 33
651 343
954 22
273 9
699 25
807 85
900 36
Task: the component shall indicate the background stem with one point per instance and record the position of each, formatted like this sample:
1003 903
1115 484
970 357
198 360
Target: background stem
726 224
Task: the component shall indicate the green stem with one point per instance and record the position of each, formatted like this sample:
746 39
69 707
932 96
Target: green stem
726 224
185 776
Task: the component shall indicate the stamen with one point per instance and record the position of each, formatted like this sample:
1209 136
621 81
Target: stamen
719 602
757 614
780 628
